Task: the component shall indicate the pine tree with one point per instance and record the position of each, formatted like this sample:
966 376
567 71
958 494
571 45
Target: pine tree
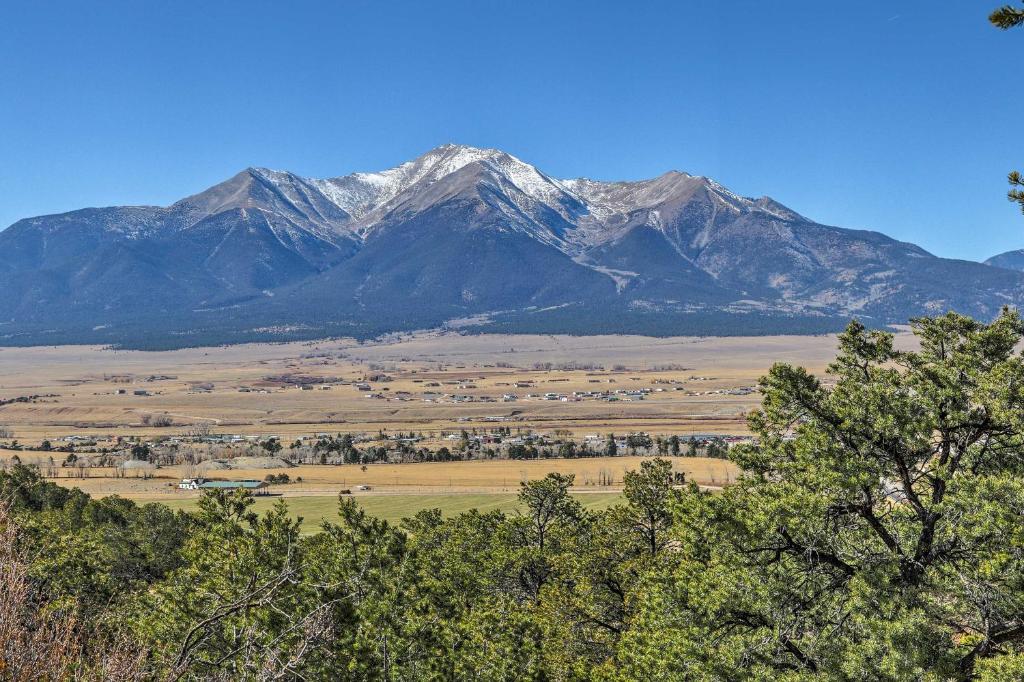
1016 193
1007 17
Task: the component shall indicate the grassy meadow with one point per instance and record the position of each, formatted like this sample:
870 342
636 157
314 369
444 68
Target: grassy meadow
394 508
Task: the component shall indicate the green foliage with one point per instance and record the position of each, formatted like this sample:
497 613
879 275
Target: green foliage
611 448
141 451
1016 180
1007 17
22 489
875 534
228 608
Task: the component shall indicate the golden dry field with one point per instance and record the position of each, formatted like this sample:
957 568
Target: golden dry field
397 491
428 383
428 478
696 385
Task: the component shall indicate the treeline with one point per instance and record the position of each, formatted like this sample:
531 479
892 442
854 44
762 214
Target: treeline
242 326
876 534
226 326
587 320
477 444
342 449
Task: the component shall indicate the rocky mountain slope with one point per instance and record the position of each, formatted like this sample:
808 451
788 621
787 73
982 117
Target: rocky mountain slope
462 235
1011 260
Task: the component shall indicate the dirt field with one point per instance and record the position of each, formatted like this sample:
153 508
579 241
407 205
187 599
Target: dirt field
434 382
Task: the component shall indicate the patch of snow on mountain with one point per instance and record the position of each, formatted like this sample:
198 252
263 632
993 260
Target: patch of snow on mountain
353 194
361 193
591 211
532 182
620 277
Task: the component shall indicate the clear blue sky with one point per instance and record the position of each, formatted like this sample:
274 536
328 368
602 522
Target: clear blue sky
901 117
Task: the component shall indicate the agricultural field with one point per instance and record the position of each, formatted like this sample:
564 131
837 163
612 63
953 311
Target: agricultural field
425 383
430 383
397 491
498 477
393 508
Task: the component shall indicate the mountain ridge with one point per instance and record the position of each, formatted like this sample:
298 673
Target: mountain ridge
463 232
1011 260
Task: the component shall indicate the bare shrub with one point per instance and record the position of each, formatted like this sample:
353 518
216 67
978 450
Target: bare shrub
40 643
162 420
158 420
199 430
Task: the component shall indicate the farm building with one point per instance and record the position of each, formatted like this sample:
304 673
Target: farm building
258 487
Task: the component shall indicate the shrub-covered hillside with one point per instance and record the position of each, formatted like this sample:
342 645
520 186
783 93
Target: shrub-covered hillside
877 534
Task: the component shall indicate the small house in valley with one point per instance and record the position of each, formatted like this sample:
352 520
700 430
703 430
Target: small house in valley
257 487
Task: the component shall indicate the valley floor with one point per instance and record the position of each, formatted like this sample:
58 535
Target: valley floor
432 384
426 383
497 477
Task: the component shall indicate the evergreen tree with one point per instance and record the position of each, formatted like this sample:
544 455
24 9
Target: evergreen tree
883 542
611 448
1016 192
674 446
1007 17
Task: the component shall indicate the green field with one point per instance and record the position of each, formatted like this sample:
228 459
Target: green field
394 508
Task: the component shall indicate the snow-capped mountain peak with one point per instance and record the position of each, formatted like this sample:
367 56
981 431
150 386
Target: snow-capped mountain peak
361 193
463 231
588 211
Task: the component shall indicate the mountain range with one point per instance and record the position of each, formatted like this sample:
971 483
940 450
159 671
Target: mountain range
1013 260
469 238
